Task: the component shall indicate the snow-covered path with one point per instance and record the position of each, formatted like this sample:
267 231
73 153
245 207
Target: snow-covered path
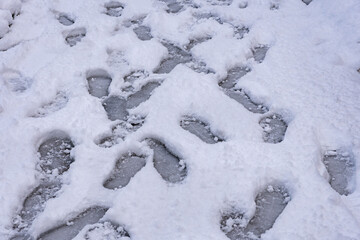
179 119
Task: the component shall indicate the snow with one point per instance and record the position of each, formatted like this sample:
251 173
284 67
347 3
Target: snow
65 66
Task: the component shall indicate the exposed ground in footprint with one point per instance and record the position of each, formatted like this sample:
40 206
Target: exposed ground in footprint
106 231
200 129
98 81
65 19
142 95
259 53
270 203
55 154
143 32
75 36
169 166
176 56
125 168
15 81
234 74
174 6
115 107
341 168
241 97
113 8
274 128
58 103
240 31
69 230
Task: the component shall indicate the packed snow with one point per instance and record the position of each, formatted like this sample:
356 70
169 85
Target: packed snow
179 119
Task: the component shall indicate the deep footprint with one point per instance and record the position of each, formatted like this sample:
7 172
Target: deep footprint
125 168
75 36
270 203
72 228
307 2
234 74
107 231
66 20
176 56
241 97
141 96
240 31
114 8
55 154
200 129
143 32
98 81
169 166
259 53
115 107
341 168
174 6
274 128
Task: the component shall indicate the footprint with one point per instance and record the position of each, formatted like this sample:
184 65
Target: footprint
241 97
114 8
259 53
270 203
200 129
233 75
196 41
70 229
274 128
169 166
143 32
65 19
240 31
115 107
125 168
141 96
307 2
341 168
55 154
106 231
220 2
174 6
75 36
58 103
15 81
243 4
99 81
176 56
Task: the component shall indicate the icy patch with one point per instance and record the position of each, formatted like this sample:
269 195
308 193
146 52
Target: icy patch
58 103
341 168
143 32
71 228
114 8
75 36
55 154
169 166
234 74
259 53
125 168
98 81
274 128
115 107
176 56
142 95
65 19
241 97
200 129
270 203
106 231
15 81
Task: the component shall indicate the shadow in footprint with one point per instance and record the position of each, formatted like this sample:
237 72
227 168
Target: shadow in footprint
307 2
72 228
115 107
75 36
142 95
259 53
341 168
274 128
200 129
176 56
143 32
240 31
125 168
99 81
107 231
220 2
65 19
114 8
169 166
241 97
270 203
58 103
233 75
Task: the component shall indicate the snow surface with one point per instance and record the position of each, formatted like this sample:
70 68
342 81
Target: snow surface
303 62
